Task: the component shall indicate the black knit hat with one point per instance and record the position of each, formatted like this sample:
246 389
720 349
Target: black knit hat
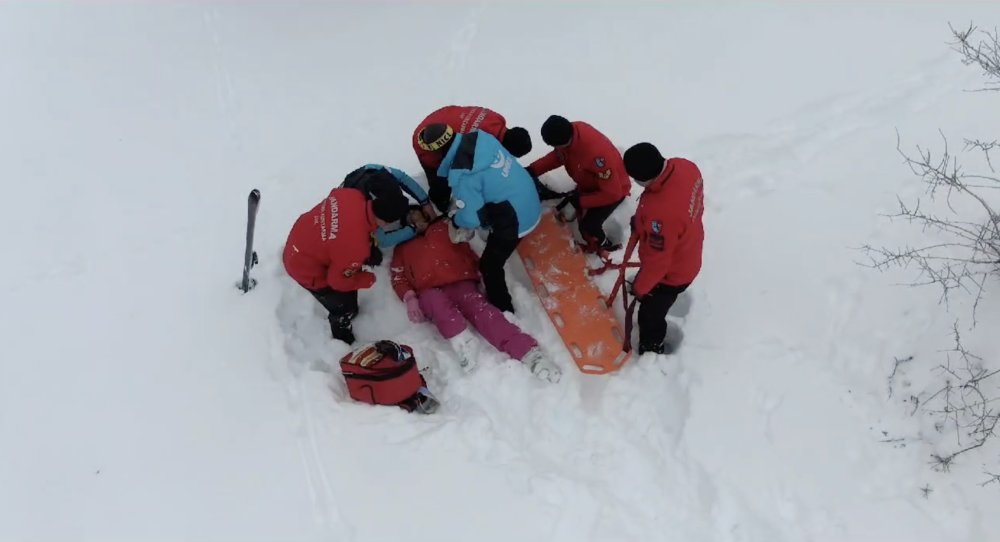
435 137
556 131
517 140
390 207
643 162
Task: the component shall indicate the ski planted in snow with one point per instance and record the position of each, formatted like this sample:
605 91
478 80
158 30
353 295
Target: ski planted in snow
250 255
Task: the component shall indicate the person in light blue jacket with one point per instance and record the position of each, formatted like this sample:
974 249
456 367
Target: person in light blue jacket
376 180
489 190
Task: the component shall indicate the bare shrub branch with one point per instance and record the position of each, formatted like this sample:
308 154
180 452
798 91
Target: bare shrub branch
964 253
967 404
984 53
959 252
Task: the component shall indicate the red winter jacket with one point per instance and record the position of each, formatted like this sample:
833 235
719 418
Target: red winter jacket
463 119
594 164
671 234
328 244
431 260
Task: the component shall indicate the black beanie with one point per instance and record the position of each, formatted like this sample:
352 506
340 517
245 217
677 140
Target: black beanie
390 207
643 162
517 141
435 137
556 131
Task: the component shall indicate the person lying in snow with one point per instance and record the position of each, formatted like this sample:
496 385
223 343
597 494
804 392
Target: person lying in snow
438 279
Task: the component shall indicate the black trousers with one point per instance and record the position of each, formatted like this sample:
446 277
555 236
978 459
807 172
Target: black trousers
592 223
343 307
652 318
499 247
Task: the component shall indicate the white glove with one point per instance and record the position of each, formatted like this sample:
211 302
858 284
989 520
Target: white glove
567 213
459 235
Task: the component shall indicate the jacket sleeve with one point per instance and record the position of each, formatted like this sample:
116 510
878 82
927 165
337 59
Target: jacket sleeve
359 280
606 195
390 239
609 188
467 189
545 164
656 252
397 275
409 185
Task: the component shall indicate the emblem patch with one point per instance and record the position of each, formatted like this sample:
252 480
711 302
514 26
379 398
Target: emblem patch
599 161
657 227
604 175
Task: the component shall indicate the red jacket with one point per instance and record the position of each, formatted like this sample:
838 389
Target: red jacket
594 164
463 119
431 260
668 221
328 244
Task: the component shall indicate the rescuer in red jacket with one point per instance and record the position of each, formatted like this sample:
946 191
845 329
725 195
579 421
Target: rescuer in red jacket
328 246
668 223
464 119
595 165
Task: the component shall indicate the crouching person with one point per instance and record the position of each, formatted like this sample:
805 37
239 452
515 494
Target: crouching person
328 247
439 279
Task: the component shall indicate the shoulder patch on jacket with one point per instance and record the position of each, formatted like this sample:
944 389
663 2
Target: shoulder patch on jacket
599 161
466 153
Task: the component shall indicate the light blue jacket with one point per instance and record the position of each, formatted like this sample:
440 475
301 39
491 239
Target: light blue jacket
481 171
397 233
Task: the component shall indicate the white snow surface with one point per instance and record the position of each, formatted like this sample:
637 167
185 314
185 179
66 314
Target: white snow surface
143 397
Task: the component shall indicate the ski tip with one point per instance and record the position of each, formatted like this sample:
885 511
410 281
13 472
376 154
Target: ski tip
255 195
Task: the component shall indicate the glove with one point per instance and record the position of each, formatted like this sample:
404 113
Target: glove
429 211
544 192
374 256
413 311
459 235
571 210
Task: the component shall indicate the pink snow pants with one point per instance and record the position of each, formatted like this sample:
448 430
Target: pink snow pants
450 305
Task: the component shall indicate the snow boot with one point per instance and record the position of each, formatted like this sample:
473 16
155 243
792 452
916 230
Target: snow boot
541 366
591 246
654 348
341 332
465 346
610 246
341 326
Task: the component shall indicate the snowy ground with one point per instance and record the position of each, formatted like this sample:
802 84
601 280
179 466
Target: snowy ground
143 397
